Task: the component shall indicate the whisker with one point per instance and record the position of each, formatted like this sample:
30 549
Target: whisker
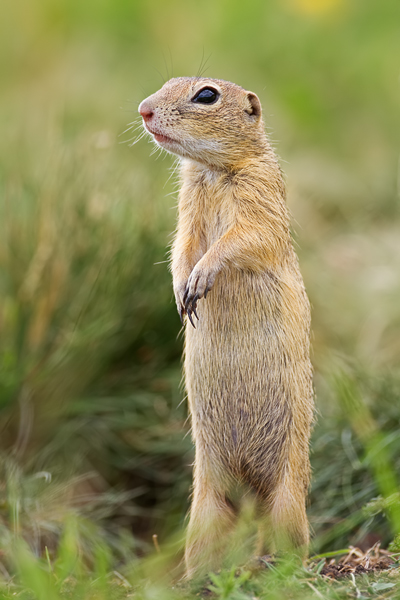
173 171
171 61
140 137
162 77
166 66
203 64
132 128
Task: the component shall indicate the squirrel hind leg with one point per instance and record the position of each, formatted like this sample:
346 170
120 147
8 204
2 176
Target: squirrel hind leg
283 523
212 519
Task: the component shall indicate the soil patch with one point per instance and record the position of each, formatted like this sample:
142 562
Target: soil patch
358 562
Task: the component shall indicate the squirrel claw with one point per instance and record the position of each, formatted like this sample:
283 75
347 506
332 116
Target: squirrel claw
186 301
194 305
190 307
189 314
185 298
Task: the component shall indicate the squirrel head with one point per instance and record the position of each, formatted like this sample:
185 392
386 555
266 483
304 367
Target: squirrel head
210 121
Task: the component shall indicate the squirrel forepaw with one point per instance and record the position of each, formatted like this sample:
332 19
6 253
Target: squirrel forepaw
199 284
180 291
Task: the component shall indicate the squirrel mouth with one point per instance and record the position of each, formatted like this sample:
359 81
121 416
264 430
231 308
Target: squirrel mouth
162 138
159 137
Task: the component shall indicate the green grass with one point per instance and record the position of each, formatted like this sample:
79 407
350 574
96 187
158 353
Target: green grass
94 451
73 573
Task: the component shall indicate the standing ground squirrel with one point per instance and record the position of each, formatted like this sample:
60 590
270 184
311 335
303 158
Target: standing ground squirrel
247 368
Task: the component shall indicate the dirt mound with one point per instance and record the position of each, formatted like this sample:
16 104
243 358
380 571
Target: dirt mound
357 562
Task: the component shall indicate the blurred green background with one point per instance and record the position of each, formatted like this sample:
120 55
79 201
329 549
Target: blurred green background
92 412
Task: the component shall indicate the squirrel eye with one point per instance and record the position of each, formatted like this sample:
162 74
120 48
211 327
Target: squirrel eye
206 96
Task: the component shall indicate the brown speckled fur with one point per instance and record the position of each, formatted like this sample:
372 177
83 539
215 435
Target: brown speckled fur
247 368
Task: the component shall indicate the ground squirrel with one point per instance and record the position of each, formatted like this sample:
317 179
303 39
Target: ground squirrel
236 279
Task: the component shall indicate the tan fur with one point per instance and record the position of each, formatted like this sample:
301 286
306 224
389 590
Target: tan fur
247 369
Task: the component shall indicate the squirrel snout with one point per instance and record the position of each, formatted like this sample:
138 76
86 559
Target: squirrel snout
145 110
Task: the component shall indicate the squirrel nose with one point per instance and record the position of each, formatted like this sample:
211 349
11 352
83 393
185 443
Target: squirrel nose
145 111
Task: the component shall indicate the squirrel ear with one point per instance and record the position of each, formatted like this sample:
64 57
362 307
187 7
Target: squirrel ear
255 105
